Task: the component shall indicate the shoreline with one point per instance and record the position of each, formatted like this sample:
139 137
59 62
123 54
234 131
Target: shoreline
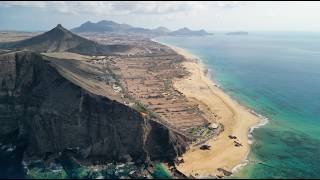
242 123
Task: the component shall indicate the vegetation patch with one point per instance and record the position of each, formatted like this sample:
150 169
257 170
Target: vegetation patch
200 132
140 108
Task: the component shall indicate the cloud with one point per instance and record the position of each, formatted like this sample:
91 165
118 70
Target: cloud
104 7
230 4
121 7
36 4
150 7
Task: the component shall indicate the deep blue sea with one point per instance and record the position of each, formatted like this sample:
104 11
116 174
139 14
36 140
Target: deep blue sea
277 74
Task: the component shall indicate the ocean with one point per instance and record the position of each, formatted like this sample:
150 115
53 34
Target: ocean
277 75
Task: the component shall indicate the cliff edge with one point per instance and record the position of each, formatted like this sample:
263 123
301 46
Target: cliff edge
52 114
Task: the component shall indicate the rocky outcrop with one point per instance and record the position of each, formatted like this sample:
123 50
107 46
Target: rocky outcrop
53 114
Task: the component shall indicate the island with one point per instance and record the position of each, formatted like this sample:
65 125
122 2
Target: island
114 106
237 33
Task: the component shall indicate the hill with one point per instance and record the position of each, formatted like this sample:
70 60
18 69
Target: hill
161 29
60 39
187 32
109 27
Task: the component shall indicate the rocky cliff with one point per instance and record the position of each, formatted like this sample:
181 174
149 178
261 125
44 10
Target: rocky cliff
52 114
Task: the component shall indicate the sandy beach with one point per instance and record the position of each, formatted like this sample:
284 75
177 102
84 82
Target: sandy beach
236 119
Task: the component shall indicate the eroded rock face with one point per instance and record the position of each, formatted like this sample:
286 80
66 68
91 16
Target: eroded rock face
53 114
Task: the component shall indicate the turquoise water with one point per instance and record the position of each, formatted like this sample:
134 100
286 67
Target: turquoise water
277 74
160 172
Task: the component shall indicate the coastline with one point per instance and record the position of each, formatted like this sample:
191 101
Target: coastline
237 120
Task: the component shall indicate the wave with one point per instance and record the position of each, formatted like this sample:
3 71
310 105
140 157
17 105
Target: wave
263 121
238 167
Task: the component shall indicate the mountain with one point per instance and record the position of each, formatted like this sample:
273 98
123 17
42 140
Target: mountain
237 33
101 26
113 27
161 30
60 39
109 27
187 32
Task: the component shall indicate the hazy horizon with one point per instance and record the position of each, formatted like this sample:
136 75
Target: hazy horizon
211 16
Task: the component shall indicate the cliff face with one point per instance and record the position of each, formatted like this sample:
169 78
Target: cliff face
52 114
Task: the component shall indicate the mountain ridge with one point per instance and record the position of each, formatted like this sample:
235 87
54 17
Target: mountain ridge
106 26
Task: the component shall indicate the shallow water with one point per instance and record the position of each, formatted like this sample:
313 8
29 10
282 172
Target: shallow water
160 172
277 74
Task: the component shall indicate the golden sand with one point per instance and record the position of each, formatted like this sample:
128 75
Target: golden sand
236 119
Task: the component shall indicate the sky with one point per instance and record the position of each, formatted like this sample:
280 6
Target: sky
211 16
